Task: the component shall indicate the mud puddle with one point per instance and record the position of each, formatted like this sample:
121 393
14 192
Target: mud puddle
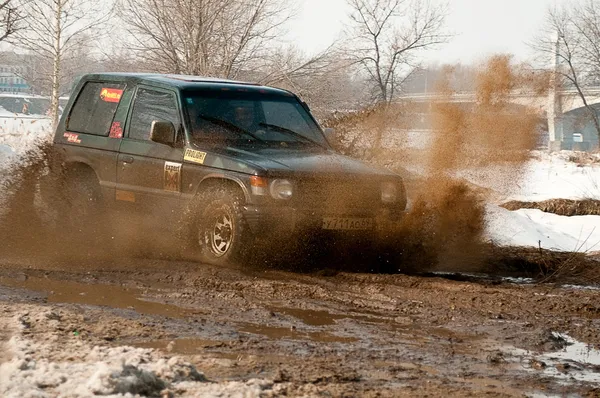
96 295
325 318
576 351
576 362
191 346
281 333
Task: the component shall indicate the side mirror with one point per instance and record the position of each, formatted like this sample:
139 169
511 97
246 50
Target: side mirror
329 133
162 132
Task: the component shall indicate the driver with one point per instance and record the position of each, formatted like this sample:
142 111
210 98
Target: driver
244 117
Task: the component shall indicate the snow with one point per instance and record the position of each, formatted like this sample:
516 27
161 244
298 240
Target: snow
21 132
533 228
111 372
18 134
545 176
553 176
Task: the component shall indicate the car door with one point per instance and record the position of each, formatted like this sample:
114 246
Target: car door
149 173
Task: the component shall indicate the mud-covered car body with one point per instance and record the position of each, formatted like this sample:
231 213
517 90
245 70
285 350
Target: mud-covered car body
155 142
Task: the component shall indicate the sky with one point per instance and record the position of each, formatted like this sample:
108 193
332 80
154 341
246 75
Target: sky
481 27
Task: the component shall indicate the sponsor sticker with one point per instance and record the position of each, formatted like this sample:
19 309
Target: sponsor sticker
111 94
116 131
72 137
172 181
192 155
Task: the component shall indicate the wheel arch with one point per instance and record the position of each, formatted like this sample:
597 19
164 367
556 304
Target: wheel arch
230 182
80 170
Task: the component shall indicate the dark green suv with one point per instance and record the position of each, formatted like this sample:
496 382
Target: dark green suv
223 161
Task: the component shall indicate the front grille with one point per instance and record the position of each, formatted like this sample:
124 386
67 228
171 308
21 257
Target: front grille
337 197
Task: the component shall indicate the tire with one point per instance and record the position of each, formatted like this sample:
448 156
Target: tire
218 232
81 212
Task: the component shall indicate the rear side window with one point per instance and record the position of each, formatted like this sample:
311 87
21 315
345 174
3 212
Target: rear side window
95 108
151 105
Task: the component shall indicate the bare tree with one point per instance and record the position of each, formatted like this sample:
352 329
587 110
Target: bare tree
571 37
10 18
56 31
203 37
386 36
324 80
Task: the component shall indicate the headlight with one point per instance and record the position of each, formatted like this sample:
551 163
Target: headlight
389 192
281 189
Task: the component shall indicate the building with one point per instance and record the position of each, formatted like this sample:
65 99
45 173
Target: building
12 80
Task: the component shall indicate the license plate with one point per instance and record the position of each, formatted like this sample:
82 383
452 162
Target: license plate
349 224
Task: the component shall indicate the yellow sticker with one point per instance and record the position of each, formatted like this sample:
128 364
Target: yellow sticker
192 155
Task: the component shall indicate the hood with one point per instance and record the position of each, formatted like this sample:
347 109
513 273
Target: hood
286 161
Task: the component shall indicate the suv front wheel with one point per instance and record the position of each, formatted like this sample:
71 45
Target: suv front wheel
219 230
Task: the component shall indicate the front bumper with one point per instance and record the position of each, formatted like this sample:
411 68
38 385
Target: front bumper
264 219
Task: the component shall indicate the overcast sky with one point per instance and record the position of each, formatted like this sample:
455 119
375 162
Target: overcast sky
482 27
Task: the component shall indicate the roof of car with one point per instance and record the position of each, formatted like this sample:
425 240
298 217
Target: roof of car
184 81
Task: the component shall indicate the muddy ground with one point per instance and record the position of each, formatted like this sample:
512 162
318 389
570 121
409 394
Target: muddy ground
300 334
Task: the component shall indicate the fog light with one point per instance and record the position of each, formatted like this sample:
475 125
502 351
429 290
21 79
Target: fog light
389 192
281 189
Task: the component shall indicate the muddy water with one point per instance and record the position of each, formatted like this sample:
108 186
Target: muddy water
99 295
324 318
280 333
181 346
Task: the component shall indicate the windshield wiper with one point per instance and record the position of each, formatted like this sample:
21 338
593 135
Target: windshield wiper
281 129
230 126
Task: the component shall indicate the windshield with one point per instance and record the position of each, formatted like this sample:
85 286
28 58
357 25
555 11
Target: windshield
255 119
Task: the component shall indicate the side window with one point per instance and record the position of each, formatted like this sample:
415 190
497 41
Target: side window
95 108
151 105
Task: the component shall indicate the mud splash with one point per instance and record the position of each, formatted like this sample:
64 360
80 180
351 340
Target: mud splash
447 219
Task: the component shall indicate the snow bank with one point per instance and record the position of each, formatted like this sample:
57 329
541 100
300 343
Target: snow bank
111 372
546 176
531 227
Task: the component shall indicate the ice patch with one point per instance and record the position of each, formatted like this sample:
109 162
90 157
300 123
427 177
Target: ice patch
575 351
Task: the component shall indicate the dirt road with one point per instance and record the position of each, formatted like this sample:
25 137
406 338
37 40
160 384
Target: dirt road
343 334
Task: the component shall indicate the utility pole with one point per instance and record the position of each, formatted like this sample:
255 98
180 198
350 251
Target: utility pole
554 109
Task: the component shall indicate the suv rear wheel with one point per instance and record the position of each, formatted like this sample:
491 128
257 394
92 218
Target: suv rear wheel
80 214
219 232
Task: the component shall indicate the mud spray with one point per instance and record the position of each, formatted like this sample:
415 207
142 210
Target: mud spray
447 220
444 229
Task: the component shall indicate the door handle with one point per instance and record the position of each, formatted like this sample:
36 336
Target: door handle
127 159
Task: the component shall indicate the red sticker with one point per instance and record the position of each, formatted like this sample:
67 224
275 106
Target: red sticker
111 94
116 131
72 137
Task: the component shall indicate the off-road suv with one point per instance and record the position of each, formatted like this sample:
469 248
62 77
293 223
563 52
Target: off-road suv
223 161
